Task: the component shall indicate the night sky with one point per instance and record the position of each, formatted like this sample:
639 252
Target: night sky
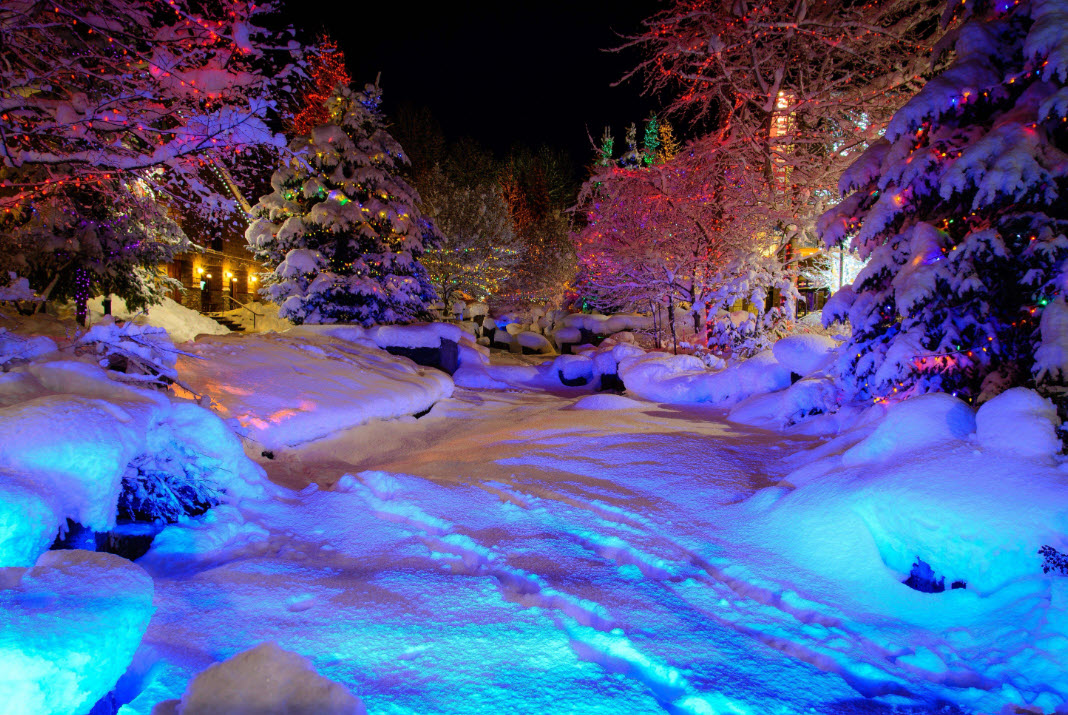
498 72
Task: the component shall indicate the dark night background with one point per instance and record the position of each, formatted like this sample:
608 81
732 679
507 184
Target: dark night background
501 73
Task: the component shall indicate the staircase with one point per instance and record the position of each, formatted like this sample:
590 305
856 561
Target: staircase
227 322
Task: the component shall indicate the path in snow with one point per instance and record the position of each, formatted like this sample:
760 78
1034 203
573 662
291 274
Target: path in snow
508 553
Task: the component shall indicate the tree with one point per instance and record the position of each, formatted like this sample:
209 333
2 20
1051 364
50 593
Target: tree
961 210
477 251
792 90
74 247
669 145
537 187
662 235
116 89
341 230
328 70
109 107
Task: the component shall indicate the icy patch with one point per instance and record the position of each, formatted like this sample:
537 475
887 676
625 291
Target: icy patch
265 679
69 629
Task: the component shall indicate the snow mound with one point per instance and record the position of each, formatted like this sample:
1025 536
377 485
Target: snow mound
784 408
914 424
69 628
267 679
605 402
804 354
181 323
14 346
1020 421
682 379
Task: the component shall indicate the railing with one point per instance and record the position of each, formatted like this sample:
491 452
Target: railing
239 304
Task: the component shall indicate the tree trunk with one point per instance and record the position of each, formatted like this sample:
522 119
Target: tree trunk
671 322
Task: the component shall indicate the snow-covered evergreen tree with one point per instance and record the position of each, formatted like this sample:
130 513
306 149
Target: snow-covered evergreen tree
961 209
341 231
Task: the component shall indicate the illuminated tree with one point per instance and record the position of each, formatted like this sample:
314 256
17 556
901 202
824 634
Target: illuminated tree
536 186
651 141
662 236
669 145
961 210
604 156
94 91
341 230
477 251
794 90
327 74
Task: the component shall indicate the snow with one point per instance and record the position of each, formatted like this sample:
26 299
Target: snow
805 353
69 627
683 379
538 548
266 679
924 421
1020 421
607 402
310 382
181 323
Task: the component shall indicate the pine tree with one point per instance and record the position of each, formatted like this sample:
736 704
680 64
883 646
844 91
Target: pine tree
669 145
961 210
650 141
341 230
604 153
327 73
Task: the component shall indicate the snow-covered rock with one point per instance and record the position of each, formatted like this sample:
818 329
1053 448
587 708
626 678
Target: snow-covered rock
1020 421
912 425
573 369
537 343
310 382
266 679
804 354
69 627
680 379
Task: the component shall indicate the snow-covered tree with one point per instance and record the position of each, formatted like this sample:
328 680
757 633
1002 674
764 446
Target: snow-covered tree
110 113
74 246
342 230
477 250
833 269
93 91
962 211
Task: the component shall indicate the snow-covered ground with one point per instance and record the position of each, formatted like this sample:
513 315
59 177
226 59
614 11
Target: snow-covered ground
526 546
511 552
